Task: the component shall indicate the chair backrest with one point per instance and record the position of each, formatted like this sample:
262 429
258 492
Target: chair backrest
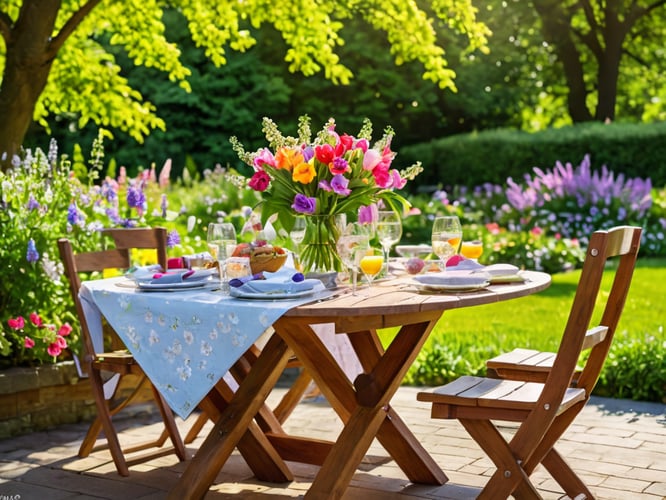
620 244
111 258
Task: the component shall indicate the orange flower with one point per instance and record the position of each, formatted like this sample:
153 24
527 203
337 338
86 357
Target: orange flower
288 158
303 173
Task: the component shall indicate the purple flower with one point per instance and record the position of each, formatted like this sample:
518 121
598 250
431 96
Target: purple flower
73 214
308 153
33 204
339 184
109 190
112 214
136 198
32 255
164 205
304 204
368 214
173 239
324 185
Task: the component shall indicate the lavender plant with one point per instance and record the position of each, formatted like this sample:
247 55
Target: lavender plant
574 202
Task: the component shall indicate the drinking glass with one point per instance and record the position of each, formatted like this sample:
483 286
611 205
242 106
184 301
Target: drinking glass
446 237
352 246
221 245
389 232
472 249
297 235
371 264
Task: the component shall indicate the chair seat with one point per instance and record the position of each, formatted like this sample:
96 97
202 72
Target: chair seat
121 362
521 364
492 394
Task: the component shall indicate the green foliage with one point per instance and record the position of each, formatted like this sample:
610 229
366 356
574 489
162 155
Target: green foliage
636 368
493 156
86 80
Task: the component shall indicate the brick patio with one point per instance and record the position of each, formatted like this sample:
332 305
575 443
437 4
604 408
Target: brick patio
617 446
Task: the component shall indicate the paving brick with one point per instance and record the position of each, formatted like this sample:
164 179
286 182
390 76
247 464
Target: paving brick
618 453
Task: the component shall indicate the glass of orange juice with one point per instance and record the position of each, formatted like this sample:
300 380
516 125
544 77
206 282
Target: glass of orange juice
472 249
371 264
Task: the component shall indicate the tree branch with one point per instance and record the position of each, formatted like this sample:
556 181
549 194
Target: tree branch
70 26
5 27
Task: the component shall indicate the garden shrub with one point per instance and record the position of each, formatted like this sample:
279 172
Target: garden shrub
636 150
635 368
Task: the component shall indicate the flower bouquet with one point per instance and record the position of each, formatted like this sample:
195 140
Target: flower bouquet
323 177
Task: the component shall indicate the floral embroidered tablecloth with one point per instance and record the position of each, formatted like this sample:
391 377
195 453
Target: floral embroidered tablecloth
185 341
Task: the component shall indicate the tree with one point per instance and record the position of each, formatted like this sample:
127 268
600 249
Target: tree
592 39
54 63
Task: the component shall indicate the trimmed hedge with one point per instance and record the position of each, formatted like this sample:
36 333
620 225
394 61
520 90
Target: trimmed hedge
635 150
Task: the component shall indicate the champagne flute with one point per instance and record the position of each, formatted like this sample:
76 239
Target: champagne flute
351 246
297 235
389 232
446 237
371 264
222 242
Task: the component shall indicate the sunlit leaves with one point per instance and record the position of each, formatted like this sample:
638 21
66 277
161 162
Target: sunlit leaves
310 28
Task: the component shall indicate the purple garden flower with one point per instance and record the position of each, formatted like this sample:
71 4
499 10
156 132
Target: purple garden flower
136 198
33 204
164 205
32 255
73 214
304 204
173 239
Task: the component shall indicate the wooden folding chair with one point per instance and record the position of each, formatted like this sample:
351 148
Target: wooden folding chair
544 411
105 369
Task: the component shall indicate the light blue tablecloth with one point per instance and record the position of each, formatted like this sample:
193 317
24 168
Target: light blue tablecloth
185 341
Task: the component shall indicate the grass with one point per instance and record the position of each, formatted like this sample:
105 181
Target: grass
537 321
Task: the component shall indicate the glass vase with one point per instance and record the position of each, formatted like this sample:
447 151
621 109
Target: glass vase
318 252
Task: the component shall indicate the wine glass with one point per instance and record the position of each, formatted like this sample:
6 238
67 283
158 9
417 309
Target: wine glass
351 246
472 249
389 231
221 240
446 237
371 264
297 235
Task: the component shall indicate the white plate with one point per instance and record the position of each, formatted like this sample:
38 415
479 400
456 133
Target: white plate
422 287
240 294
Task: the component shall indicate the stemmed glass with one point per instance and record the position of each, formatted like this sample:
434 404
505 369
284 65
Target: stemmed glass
222 242
371 263
389 232
472 249
352 246
297 235
446 237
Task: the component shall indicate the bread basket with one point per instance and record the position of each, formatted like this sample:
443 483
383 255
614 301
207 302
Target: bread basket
267 262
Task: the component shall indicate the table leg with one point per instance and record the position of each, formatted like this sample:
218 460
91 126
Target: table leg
233 422
366 413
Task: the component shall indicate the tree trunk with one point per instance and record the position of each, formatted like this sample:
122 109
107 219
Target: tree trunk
21 87
28 61
557 32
